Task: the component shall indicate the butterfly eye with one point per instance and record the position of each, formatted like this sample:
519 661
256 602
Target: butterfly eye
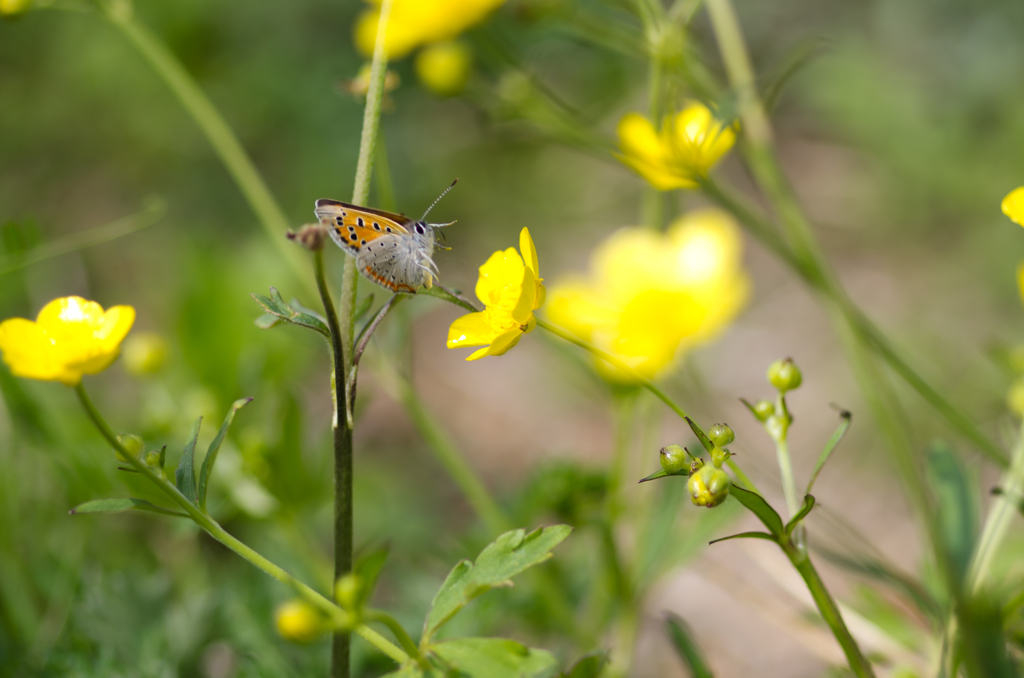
419 229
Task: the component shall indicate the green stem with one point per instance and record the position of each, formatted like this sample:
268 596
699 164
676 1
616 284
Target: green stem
217 131
636 377
364 169
793 502
626 413
399 632
341 429
214 529
997 523
860 666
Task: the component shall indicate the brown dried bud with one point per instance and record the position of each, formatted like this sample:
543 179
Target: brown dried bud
310 236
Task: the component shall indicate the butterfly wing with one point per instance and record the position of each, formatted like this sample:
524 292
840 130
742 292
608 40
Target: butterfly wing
353 227
396 262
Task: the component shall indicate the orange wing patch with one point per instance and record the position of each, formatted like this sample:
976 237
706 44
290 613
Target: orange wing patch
353 227
390 284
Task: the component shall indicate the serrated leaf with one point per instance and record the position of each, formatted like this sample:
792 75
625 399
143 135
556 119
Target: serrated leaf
494 658
686 647
756 504
120 505
266 321
276 306
206 471
505 557
746 535
830 446
589 666
800 515
700 435
185 475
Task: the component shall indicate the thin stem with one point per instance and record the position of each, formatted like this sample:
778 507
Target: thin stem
860 666
214 529
397 629
997 523
218 132
341 429
364 168
625 406
793 502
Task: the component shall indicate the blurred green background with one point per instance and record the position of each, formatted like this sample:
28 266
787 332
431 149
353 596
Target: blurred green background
901 135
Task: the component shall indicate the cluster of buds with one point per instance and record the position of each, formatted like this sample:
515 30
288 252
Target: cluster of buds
785 376
708 484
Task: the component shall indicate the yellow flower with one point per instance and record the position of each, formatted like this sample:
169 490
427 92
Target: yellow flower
444 67
511 290
12 7
1013 205
419 22
299 622
71 337
688 146
652 296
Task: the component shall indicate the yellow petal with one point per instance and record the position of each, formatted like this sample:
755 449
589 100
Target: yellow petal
28 351
523 310
529 251
503 343
658 174
699 139
501 280
1013 205
472 330
542 295
479 353
638 138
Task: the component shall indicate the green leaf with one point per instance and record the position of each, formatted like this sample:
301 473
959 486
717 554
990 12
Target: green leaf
801 514
185 476
122 505
750 407
266 321
844 424
756 504
494 658
956 515
211 453
657 474
589 666
686 647
413 670
368 568
877 570
505 557
276 306
700 435
746 535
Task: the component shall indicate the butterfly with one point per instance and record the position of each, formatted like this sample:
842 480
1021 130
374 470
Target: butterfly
390 249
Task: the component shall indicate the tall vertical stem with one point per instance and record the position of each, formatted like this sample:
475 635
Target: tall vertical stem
343 337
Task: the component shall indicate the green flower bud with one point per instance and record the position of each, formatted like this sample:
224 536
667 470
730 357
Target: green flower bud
719 456
131 443
673 459
764 409
784 375
721 435
153 459
708 487
299 622
347 591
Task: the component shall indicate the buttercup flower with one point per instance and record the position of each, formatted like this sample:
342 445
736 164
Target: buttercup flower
444 67
652 296
511 288
70 337
419 22
686 148
1013 205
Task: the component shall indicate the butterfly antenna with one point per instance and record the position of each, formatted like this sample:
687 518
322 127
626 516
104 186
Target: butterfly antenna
438 199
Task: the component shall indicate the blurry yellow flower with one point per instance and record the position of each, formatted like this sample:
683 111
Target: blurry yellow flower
652 296
511 290
444 67
299 622
419 22
12 7
145 353
71 337
1013 205
687 147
